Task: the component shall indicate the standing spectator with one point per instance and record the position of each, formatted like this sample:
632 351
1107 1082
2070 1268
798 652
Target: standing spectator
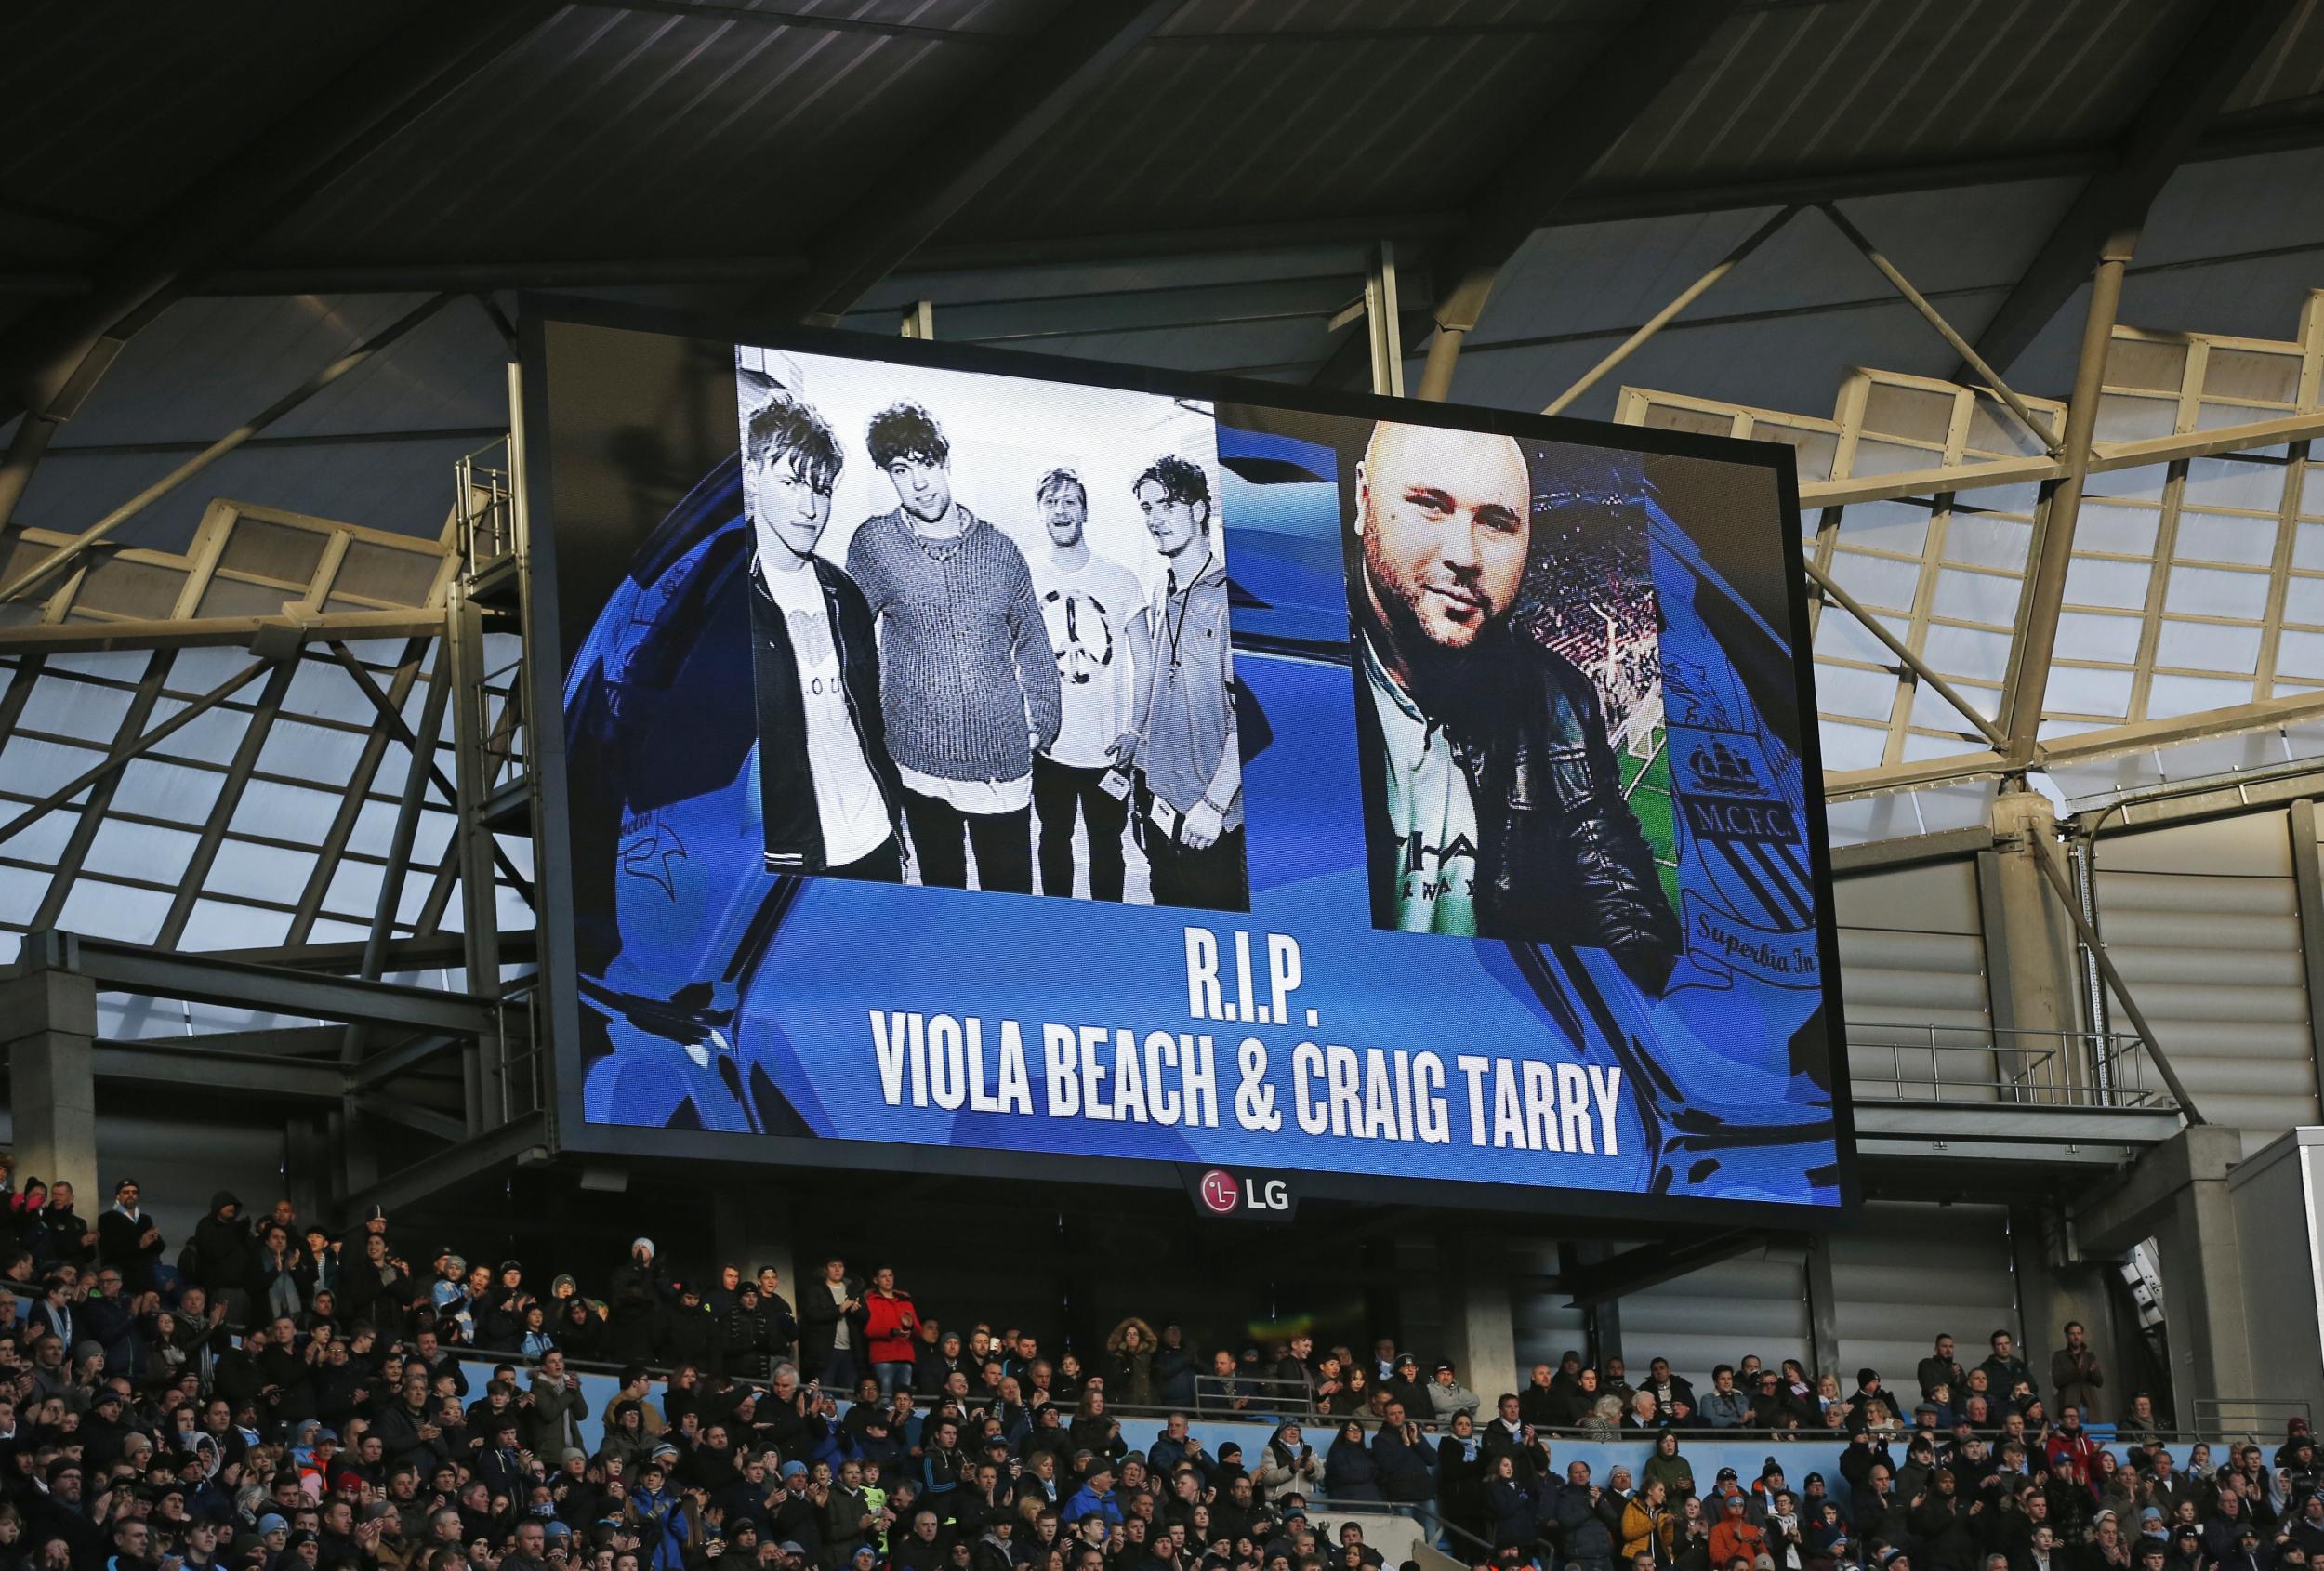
889 1322
1461 1475
64 1238
128 1240
1350 1472
634 1298
1173 1368
553 1424
2074 1373
1508 1511
221 1254
1222 1391
1941 1368
2004 1368
1585 1533
1666 1467
1402 1455
1648 1524
1130 1349
830 1314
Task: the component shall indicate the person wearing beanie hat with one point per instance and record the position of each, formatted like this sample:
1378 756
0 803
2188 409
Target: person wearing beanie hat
636 1295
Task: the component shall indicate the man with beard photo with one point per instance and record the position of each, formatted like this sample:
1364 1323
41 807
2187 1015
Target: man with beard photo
967 682
1493 805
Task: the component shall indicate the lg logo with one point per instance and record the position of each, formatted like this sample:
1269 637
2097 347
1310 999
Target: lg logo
1223 1193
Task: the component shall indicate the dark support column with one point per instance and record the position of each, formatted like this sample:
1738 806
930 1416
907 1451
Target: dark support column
48 1024
2307 879
1480 1332
1823 1306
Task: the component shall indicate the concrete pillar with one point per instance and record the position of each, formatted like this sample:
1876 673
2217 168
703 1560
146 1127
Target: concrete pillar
746 1231
1823 1306
2034 950
1480 1330
48 1024
2177 1194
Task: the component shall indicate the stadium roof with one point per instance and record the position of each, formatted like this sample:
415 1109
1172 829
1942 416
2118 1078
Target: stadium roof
199 213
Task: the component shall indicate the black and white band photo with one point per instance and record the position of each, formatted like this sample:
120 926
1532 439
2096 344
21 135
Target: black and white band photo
990 646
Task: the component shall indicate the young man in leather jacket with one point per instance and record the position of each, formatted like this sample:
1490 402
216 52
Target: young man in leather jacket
1493 805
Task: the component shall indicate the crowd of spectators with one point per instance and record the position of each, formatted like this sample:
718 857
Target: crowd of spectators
271 1397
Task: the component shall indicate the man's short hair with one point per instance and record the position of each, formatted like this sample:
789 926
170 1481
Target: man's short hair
1181 480
1058 480
787 427
906 431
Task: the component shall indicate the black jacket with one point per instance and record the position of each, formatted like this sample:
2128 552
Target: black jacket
787 788
1559 858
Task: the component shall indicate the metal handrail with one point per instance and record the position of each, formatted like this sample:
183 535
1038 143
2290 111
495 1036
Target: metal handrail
2217 1414
2082 1069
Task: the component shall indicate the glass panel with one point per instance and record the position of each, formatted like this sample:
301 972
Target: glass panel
138 590
322 688
2312 490
285 812
2143 485
2234 482
1812 451
2299 654
104 910
209 738
2219 417
1987 540
1992 428
1668 417
2245 374
2191 695
1876 457
1965 652
2215 538
2084 634
354 889
274 551
2139 362
22 889
311 752
1840 636
227 597
2110 526
1933 711
2208 646
2123 418
221 924
139 850
2212 591
45 839
1877 581
1885 526
75 708
33 768
2121 585
2307 546
1852 691
259 871
1845 747
1976 597
384 573
2083 690
1914 413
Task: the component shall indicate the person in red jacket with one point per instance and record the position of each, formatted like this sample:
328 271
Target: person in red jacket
889 1327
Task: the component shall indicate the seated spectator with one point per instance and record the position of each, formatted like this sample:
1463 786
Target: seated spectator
1727 1408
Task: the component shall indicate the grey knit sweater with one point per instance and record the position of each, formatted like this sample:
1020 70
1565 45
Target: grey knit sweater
964 663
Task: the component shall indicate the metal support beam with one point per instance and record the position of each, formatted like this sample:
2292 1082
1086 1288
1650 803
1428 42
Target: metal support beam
48 568
1585 118
179 1066
238 771
129 967
2026 679
212 633
2307 882
443 46
1662 317
1383 335
124 751
1935 318
2045 857
41 417
1065 62
381 1067
2163 132
1652 1264
352 800
470 1159
1919 667
393 718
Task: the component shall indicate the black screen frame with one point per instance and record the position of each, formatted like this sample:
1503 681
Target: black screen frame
556 987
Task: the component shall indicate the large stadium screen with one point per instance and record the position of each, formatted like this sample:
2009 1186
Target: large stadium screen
979 763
